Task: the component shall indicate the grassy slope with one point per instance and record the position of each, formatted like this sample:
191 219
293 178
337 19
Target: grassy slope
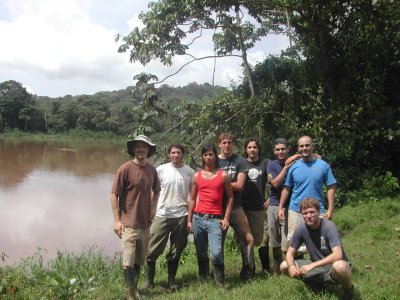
370 234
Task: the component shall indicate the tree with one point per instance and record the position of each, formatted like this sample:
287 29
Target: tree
172 27
14 98
341 85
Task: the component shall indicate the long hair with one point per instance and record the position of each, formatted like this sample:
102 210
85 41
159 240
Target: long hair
247 142
206 148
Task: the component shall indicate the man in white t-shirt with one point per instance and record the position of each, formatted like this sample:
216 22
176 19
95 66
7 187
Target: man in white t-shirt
171 216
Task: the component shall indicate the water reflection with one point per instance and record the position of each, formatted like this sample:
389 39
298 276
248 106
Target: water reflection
56 196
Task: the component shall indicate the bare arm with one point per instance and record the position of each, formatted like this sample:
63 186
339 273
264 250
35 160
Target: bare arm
282 201
118 226
238 185
277 181
331 201
154 200
229 200
293 269
192 202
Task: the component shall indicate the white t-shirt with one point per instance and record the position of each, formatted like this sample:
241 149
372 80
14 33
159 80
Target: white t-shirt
175 190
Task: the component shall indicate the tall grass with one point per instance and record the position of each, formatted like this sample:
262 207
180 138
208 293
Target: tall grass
370 233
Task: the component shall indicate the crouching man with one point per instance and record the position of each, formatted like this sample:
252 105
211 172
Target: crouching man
328 262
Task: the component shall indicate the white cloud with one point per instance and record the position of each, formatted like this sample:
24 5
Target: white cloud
59 47
135 22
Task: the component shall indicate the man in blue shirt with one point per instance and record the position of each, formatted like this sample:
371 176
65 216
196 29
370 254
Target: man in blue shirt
277 229
306 178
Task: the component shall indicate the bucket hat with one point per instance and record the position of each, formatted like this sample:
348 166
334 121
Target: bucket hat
141 138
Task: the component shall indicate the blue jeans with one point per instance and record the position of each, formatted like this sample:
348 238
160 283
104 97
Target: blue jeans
209 231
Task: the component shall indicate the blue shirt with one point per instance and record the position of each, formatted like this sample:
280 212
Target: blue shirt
306 179
273 169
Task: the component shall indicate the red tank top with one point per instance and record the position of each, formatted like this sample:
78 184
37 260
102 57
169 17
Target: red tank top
210 193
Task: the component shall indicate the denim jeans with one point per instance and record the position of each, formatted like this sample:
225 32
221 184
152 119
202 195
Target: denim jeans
209 231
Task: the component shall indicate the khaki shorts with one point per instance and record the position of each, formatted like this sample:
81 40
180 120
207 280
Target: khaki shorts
294 219
319 275
238 221
135 242
256 221
277 229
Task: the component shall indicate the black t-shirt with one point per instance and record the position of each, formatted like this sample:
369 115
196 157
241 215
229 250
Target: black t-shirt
233 166
253 195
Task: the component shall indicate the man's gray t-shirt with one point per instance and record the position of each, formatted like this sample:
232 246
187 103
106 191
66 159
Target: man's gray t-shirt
320 241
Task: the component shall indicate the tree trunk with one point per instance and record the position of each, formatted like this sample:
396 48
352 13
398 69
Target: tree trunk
244 52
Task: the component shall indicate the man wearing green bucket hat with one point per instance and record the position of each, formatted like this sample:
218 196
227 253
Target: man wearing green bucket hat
134 197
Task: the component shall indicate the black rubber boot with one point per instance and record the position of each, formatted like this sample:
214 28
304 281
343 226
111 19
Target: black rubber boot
150 273
204 268
130 293
246 273
263 252
277 255
219 275
131 280
172 269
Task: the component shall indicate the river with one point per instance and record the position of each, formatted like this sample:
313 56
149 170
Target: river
56 196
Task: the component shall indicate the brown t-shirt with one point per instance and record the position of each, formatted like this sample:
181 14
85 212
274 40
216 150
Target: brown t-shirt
134 184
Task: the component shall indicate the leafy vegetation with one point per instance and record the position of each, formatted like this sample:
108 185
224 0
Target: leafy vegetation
173 27
117 112
370 233
339 83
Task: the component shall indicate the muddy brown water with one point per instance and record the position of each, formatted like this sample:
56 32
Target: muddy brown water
56 196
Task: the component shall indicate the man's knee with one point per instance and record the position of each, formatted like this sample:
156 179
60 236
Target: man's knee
341 268
284 267
249 239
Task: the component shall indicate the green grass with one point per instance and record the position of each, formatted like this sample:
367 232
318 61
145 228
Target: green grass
370 232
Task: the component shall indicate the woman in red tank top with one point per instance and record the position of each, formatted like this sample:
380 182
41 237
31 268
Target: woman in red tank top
205 218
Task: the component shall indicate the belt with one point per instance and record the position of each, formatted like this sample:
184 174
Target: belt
208 216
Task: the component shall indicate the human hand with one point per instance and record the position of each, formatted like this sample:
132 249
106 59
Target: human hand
281 214
294 271
292 159
328 215
118 228
189 227
224 224
305 269
266 203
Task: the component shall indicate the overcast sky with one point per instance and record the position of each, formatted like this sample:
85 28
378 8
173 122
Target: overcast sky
67 47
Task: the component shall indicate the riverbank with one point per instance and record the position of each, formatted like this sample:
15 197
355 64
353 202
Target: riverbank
75 134
370 232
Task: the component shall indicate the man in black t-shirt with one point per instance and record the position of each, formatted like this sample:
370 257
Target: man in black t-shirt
235 166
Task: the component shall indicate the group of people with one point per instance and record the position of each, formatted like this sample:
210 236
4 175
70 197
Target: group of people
156 206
